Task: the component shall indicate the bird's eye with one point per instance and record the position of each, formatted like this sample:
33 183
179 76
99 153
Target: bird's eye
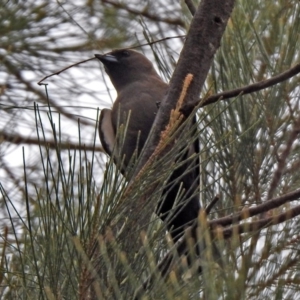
125 53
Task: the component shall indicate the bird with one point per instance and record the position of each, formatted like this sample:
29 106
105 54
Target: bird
139 91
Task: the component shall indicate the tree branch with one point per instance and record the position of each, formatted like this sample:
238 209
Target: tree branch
145 13
281 164
86 60
210 205
16 72
250 212
203 39
18 139
181 247
258 225
255 87
190 6
64 69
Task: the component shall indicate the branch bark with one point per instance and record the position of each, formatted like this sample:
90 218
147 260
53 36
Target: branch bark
203 40
248 89
181 247
259 209
260 224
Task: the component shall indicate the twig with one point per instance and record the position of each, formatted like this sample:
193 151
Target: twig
14 70
64 69
190 6
133 47
18 139
188 106
282 159
250 212
145 13
255 87
180 247
158 41
258 225
212 204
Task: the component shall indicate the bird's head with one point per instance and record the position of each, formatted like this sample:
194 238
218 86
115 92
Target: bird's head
125 66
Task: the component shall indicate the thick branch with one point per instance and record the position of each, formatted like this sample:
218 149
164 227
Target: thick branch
202 41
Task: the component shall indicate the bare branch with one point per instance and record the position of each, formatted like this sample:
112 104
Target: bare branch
133 47
258 225
38 93
212 204
18 139
145 13
64 69
157 41
250 212
255 87
282 159
190 6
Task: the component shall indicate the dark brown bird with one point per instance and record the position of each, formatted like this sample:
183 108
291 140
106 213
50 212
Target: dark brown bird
139 90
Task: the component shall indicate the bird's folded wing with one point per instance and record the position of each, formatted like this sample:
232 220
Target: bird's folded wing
106 131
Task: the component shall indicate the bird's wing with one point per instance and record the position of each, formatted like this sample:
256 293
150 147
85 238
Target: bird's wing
106 131
196 149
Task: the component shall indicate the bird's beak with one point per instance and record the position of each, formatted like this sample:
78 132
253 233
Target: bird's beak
106 58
